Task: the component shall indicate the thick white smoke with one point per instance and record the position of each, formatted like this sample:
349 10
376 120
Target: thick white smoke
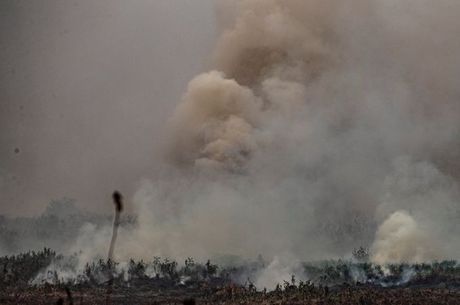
214 125
321 121
278 272
399 239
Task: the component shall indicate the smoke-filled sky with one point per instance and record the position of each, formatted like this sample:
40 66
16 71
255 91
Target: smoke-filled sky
308 127
85 91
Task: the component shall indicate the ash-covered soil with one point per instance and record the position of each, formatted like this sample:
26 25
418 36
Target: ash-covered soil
361 295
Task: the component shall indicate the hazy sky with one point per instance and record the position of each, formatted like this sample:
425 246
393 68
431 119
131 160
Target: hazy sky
86 90
329 124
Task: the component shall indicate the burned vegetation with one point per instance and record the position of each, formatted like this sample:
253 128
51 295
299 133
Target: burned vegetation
45 277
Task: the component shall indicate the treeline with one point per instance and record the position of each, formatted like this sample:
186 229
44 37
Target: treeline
46 267
356 273
19 270
57 227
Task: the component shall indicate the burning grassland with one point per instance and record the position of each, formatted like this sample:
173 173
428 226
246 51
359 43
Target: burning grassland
46 268
319 127
45 277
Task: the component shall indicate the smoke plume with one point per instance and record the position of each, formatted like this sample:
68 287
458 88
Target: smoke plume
321 121
399 239
322 126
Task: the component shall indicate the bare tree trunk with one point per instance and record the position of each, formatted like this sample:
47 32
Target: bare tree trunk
118 201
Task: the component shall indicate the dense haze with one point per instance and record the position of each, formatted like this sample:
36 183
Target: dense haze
85 92
321 126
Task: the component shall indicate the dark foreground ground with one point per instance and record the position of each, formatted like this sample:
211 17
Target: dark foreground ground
364 295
